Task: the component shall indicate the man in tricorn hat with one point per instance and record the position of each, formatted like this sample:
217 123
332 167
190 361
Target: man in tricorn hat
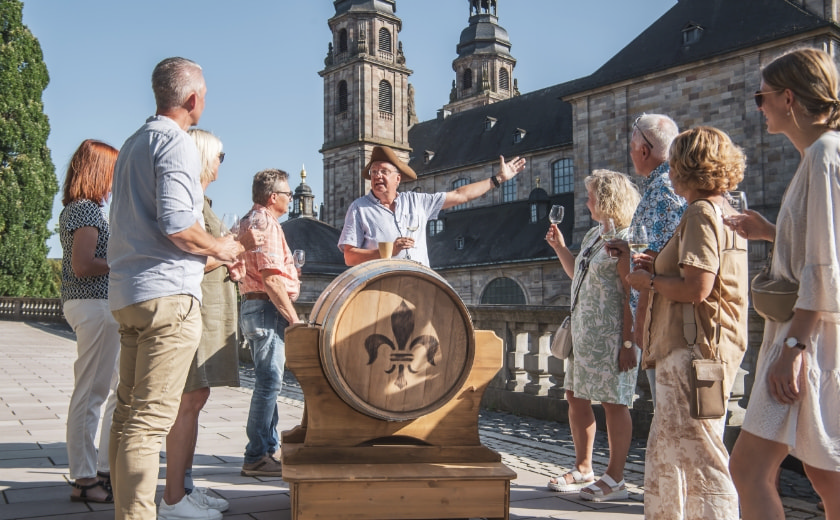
382 215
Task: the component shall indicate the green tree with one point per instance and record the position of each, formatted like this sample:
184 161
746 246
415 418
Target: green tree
27 175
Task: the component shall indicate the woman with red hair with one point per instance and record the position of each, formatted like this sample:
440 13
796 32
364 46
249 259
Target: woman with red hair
84 294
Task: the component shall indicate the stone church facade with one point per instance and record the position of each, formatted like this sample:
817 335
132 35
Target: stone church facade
699 63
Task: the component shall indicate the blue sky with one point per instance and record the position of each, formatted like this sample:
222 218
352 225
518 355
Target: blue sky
261 60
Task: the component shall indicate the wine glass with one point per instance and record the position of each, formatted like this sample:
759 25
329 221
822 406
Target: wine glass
556 214
607 231
412 223
738 201
230 224
259 222
299 256
637 239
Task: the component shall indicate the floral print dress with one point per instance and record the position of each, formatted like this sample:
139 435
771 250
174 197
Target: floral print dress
592 370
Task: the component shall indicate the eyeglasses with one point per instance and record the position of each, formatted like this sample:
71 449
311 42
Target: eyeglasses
221 157
636 126
384 172
759 96
286 193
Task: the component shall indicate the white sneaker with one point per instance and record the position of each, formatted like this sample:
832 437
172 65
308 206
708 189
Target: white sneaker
187 509
199 496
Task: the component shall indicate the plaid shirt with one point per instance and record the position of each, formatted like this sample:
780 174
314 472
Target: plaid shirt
273 255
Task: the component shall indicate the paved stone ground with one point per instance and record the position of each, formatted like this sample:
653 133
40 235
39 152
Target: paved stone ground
36 382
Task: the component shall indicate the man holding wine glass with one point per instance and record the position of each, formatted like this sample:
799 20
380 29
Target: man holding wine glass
268 287
388 217
659 210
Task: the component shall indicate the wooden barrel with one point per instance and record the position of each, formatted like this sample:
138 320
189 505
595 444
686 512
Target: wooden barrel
397 342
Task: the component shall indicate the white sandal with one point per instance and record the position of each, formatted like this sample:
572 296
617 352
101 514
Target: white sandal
578 481
593 492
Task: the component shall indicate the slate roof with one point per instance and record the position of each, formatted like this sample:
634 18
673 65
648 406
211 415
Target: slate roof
460 139
365 6
728 25
484 36
497 234
319 240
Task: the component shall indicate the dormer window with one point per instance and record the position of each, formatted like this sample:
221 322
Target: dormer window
518 135
489 122
459 243
691 33
428 156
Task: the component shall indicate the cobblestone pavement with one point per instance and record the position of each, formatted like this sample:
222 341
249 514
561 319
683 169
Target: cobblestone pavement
546 448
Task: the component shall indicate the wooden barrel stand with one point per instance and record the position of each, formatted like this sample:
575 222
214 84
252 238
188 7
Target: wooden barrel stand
381 442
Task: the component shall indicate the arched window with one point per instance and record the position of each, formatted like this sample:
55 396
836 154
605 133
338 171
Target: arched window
342 40
503 291
385 40
563 176
504 79
386 97
466 83
342 96
435 227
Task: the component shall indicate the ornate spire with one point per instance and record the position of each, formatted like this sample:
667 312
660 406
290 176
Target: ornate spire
485 6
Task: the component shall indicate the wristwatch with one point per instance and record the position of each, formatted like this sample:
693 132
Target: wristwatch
495 181
627 344
792 342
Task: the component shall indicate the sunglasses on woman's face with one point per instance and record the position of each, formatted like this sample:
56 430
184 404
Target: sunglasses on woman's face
759 96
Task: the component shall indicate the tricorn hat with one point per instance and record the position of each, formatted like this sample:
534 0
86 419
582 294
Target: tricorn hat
385 154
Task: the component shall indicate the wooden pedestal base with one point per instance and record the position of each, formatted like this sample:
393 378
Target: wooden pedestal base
399 491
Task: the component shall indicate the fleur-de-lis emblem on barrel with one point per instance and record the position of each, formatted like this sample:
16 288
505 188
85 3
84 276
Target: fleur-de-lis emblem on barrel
402 324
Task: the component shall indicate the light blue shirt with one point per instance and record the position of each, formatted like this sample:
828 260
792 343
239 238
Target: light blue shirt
156 193
368 222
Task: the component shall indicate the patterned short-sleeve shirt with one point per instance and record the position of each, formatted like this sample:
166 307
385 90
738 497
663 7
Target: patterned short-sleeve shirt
660 211
79 214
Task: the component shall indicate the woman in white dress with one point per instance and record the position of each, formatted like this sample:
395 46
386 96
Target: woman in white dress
795 403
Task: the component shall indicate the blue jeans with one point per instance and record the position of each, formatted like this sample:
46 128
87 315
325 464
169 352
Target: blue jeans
265 329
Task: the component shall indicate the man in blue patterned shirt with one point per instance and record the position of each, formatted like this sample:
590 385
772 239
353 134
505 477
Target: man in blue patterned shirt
659 210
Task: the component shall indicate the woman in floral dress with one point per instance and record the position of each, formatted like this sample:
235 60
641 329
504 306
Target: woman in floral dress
603 361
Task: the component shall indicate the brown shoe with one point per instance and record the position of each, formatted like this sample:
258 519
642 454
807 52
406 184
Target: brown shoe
267 466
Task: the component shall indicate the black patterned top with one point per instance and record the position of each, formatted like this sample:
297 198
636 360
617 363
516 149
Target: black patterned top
79 214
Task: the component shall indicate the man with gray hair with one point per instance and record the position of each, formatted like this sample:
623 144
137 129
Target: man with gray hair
268 287
156 254
659 210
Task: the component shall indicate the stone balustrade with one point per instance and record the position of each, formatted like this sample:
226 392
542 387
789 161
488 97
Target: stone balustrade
531 381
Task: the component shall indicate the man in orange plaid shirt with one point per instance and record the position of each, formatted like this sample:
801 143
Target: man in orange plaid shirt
269 286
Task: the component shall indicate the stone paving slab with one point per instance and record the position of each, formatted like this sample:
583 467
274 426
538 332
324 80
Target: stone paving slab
36 381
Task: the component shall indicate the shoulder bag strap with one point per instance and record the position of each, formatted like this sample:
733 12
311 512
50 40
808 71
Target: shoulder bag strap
689 320
585 270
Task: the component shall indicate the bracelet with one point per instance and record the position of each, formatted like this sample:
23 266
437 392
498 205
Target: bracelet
495 181
652 278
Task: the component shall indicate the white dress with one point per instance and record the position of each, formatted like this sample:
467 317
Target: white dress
806 250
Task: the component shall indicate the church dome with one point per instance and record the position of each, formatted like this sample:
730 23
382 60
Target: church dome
365 6
484 36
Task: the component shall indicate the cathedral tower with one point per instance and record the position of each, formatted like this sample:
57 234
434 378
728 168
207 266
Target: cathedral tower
366 98
484 66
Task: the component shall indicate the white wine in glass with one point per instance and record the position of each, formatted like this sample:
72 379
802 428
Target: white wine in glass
607 229
412 224
637 239
556 214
